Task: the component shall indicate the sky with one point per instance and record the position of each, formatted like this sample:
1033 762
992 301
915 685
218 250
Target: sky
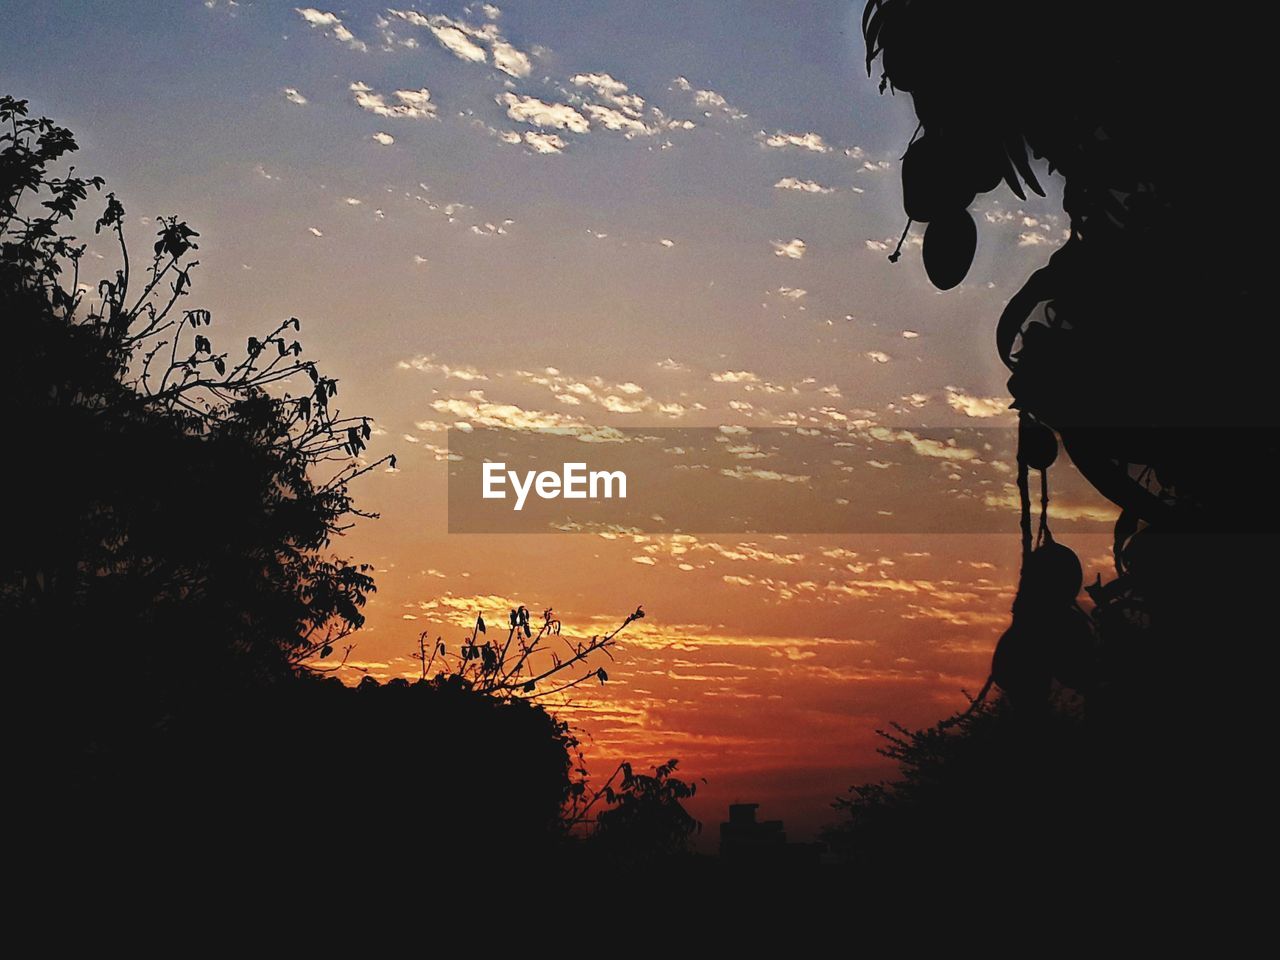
599 214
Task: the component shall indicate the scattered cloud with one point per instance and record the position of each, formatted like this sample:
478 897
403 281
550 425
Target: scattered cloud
385 139
710 101
413 105
476 410
978 407
543 142
427 363
531 110
791 249
453 35
611 91
332 25
1058 510
754 473
510 60
293 96
802 186
924 446
612 119
468 41
805 141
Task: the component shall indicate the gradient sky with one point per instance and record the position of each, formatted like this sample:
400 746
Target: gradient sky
604 213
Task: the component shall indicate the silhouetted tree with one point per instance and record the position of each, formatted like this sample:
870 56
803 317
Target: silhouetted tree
642 819
525 664
1137 346
169 550
169 531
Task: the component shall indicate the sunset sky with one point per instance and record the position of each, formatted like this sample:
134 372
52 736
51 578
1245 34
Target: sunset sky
597 214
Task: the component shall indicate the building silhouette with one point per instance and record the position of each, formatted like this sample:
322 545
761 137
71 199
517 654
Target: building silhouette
744 839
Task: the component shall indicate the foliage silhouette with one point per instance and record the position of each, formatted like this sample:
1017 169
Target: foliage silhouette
643 820
1136 347
171 541
179 495
1111 344
517 666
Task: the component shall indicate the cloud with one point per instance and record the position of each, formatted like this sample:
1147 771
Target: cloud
612 119
626 397
877 356
293 96
314 232
979 407
453 35
735 376
544 142
792 293
753 473
611 91
477 410
667 243
533 111
802 186
791 249
332 24
805 141
510 60
467 41
924 446
427 363
710 101
385 139
491 11
413 105
1058 510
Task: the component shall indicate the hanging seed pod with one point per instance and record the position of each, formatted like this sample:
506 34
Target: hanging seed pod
950 243
934 181
1051 575
1037 444
1020 665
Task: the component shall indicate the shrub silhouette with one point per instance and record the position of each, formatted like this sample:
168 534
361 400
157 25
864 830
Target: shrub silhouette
173 528
171 546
